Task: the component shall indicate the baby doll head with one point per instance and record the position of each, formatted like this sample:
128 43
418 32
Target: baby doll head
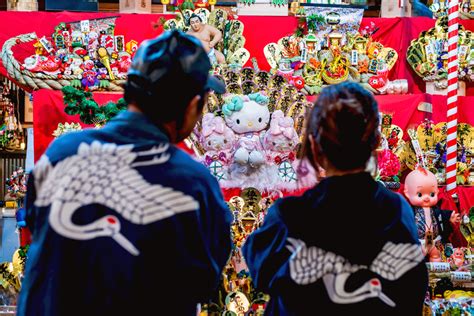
215 135
281 136
248 113
421 188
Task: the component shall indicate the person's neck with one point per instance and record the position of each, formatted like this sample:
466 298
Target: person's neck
332 172
168 128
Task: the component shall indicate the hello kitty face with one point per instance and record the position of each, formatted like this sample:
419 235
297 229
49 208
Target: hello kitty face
246 114
215 135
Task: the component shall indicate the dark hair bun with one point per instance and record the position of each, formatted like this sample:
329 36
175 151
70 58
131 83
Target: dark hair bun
344 123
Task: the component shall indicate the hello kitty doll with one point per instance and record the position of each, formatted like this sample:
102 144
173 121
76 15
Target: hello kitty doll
248 116
218 140
280 142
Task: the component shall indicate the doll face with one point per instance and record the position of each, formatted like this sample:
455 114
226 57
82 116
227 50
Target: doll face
421 189
280 143
458 253
217 142
253 117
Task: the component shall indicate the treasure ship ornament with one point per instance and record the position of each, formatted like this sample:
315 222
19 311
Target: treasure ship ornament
321 60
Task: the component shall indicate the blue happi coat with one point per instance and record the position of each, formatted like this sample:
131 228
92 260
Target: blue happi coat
123 223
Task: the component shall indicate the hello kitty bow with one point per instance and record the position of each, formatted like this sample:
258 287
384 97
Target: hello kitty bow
214 125
281 125
236 102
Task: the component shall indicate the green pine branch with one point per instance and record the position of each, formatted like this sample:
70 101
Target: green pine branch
82 103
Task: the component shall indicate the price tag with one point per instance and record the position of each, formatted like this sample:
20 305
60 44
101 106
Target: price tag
460 276
439 267
354 57
463 49
373 66
304 55
85 26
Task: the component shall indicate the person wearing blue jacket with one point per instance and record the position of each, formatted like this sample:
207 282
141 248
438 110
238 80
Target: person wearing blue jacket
348 246
124 222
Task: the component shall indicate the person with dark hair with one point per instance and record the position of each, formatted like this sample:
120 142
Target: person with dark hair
209 37
348 246
122 220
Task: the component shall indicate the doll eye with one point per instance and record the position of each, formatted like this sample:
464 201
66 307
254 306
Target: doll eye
290 144
432 194
419 194
209 143
237 121
225 141
273 143
260 120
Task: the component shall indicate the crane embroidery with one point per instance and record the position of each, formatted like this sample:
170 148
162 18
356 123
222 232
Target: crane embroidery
104 174
307 265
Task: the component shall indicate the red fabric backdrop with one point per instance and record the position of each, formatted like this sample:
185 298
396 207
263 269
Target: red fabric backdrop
258 31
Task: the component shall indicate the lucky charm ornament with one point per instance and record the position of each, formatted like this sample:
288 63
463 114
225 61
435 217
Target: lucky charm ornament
218 140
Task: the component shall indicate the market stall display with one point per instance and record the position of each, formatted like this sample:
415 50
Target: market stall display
84 54
258 161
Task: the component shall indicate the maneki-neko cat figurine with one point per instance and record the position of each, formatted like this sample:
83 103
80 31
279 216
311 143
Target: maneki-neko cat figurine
433 224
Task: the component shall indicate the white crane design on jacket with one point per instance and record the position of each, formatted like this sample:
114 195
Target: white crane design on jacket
307 265
104 174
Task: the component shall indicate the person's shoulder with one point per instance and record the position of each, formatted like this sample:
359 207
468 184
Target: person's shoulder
289 208
67 144
397 208
389 198
187 168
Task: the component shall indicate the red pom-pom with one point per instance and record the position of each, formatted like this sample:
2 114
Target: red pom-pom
60 76
18 41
